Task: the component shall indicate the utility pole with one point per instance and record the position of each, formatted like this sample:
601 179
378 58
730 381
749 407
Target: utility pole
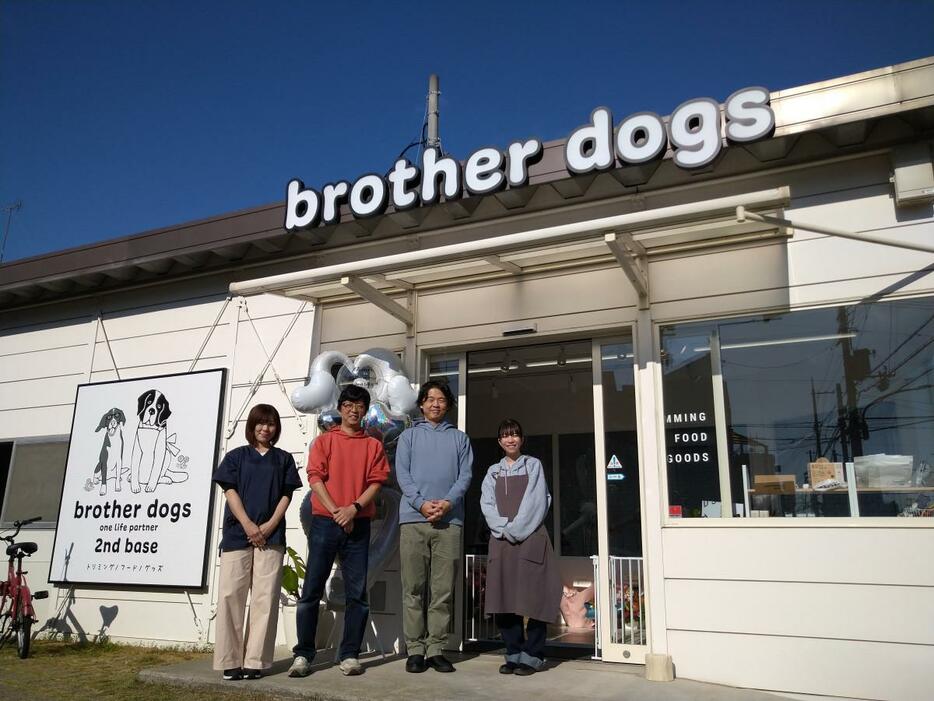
842 424
816 421
850 377
434 138
9 209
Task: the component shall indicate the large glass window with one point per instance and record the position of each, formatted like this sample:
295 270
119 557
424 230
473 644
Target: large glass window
6 452
824 412
34 481
446 369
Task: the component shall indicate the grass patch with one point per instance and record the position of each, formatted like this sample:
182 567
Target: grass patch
58 671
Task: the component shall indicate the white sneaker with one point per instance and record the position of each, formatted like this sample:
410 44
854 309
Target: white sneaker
300 667
350 667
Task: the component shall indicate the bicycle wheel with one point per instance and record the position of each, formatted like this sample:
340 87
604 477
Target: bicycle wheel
23 629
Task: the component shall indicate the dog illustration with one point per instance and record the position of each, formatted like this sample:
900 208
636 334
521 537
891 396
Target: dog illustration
110 461
153 448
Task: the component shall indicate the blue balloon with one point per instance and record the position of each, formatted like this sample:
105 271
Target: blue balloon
328 420
385 426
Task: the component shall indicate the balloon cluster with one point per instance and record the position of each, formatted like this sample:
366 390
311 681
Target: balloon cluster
378 371
392 400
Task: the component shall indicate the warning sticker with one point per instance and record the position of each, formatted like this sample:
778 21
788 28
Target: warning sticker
614 464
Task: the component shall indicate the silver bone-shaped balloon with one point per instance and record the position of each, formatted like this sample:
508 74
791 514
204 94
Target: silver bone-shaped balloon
387 384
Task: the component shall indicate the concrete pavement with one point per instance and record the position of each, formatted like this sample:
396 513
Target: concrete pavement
477 678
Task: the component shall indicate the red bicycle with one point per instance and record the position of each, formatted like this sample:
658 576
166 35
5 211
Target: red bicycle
16 611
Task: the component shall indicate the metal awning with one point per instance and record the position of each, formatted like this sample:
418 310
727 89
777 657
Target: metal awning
629 238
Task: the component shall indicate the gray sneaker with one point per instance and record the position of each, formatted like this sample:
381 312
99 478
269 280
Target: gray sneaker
300 667
350 667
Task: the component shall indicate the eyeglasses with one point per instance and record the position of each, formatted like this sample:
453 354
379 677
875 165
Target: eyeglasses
359 406
436 400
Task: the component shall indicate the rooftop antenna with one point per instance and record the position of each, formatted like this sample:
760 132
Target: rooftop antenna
434 138
9 209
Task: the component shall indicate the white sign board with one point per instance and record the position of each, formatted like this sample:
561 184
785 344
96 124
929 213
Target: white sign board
136 499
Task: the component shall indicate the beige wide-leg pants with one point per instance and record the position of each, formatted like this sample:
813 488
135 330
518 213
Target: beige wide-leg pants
260 573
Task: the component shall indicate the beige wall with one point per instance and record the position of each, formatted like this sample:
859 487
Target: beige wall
47 351
843 611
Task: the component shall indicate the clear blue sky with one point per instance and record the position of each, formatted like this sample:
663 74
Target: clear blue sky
120 116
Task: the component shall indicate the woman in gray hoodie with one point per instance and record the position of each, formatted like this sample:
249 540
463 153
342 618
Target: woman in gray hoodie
522 576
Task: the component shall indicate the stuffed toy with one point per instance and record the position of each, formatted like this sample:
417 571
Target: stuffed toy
574 607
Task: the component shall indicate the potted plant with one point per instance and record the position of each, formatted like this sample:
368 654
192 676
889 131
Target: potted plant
293 573
629 613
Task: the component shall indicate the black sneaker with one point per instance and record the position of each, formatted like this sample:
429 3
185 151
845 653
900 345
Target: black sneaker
252 673
415 664
508 668
233 675
524 670
439 663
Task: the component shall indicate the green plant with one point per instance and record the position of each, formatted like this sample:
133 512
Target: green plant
293 572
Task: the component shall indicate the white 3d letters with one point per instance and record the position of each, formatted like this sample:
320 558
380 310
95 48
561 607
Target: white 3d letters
695 133
590 147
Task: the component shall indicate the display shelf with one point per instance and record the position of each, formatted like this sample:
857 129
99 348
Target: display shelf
904 490
845 490
851 490
798 490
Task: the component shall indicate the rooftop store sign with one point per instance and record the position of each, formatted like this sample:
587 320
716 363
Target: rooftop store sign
694 131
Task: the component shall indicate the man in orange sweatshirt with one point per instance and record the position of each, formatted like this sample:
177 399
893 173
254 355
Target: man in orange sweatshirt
346 469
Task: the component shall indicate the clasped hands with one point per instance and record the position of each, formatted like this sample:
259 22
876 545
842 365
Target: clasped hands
434 509
344 516
257 535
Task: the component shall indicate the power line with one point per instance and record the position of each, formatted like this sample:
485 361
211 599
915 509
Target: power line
9 209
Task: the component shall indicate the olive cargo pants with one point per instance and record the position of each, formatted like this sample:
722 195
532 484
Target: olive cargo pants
428 555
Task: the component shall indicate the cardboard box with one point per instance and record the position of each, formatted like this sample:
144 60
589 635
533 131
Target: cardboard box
822 469
774 484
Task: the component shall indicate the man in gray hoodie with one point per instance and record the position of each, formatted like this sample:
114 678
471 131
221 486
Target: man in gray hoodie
433 467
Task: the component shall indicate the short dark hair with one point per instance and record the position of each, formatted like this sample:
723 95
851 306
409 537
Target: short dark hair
509 427
266 414
440 386
353 393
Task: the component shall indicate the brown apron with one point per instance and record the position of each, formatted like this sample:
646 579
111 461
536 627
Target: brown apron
521 578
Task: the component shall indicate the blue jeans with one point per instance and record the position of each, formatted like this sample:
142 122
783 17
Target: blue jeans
523 646
325 541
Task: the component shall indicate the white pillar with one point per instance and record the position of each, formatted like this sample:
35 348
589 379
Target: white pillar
652 451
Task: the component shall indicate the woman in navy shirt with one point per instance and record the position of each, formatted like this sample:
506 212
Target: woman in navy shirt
258 480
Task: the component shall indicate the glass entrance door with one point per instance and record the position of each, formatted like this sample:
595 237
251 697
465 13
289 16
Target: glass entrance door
576 401
547 388
621 574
